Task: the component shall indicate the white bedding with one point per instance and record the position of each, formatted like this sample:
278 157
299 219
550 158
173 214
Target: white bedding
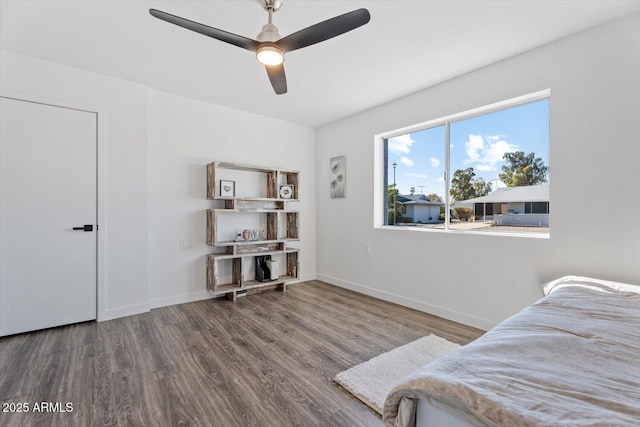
572 358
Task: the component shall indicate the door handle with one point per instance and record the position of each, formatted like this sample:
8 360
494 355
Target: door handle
86 227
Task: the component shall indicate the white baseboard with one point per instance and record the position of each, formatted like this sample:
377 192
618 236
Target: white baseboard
303 278
201 295
180 299
445 313
124 312
173 300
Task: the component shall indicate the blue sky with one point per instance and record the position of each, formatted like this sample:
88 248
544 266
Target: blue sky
478 142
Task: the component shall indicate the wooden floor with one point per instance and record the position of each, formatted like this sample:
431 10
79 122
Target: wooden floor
266 360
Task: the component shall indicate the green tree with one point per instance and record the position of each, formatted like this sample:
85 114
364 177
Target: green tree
435 198
523 169
465 185
396 209
463 214
412 190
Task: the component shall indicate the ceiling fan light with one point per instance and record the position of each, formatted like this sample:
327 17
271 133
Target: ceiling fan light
270 55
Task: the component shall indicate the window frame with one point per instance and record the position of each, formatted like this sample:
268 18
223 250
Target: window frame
381 158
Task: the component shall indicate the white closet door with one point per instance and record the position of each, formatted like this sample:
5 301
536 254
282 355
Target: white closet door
47 187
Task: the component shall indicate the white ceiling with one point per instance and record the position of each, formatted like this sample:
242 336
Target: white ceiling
407 46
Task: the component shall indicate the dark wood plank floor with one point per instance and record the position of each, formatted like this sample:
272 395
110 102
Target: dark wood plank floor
266 360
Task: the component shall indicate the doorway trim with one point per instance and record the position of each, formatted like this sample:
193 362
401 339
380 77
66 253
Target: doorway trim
100 113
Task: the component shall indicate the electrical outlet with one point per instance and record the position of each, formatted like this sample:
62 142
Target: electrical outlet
367 249
184 243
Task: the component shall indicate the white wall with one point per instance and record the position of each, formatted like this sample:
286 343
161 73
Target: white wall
122 108
185 135
481 280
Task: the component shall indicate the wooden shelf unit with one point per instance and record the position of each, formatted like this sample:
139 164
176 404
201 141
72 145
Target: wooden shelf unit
281 227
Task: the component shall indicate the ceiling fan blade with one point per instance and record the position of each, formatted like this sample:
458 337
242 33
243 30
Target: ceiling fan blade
278 78
324 30
221 35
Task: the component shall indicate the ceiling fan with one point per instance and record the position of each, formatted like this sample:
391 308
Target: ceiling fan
270 47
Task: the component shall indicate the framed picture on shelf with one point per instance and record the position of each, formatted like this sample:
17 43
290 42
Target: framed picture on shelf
227 188
286 191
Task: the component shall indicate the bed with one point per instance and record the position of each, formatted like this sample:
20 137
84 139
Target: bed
571 358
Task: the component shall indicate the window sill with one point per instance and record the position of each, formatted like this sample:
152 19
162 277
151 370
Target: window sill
466 232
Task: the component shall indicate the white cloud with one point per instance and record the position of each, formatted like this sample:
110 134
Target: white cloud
406 161
415 175
434 162
487 151
401 144
473 146
440 179
495 152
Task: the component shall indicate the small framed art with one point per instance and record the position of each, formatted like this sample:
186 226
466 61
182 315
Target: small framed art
338 166
227 188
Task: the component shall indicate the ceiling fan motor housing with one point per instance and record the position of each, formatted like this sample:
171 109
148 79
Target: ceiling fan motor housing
269 53
269 33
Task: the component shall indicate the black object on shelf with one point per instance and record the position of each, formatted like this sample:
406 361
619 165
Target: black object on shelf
263 272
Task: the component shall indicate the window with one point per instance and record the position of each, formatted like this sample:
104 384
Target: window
484 170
